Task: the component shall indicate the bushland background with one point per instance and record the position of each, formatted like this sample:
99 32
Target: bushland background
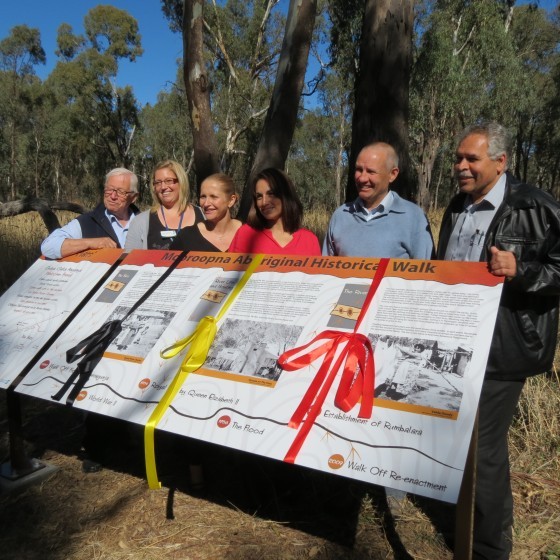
412 72
251 508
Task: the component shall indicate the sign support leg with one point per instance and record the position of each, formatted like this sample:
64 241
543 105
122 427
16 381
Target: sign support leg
464 521
20 465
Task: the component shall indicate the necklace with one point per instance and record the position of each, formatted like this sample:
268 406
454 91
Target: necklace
218 237
215 234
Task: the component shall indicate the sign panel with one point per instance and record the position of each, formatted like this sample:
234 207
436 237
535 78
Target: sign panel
35 306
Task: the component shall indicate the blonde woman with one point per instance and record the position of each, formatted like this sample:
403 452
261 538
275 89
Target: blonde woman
217 198
171 210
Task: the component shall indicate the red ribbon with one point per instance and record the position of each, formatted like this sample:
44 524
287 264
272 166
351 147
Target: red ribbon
358 376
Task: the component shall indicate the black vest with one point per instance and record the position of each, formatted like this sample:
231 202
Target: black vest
96 223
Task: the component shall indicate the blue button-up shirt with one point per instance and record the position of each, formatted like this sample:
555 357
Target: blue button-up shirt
469 234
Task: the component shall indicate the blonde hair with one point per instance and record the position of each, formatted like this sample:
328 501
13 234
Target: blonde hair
226 184
184 188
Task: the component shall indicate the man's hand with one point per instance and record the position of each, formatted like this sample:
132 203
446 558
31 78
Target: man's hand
73 246
502 263
101 243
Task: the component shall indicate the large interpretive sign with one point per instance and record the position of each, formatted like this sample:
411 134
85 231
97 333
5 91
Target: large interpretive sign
366 368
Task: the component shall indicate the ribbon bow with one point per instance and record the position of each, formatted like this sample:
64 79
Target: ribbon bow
199 341
358 376
90 350
357 379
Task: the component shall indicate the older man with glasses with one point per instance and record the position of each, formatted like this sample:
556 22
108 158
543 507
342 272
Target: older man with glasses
104 227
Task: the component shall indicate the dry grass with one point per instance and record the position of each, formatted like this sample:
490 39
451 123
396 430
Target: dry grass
253 509
20 239
535 453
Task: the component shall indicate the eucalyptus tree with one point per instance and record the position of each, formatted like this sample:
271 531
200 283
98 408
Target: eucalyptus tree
381 89
84 82
40 120
231 72
280 122
466 68
311 164
371 46
318 160
536 37
163 135
251 72
20 52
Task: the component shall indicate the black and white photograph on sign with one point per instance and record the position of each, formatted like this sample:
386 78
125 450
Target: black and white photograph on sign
420 372
140 331
251 348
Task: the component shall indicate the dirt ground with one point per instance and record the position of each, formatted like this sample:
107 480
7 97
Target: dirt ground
251 508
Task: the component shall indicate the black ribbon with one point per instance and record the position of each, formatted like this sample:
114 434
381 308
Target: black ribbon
91 349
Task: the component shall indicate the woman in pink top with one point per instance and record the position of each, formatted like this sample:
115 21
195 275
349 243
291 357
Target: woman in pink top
274 222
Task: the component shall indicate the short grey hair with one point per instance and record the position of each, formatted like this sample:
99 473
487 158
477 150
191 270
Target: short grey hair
499 139
124 171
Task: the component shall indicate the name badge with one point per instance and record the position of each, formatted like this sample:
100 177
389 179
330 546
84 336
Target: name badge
168 233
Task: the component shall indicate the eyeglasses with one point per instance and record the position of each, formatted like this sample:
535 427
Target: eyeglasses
119 192
166 182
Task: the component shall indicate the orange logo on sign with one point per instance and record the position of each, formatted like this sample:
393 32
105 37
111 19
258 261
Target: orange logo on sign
144 383
336 461
81 395
223 421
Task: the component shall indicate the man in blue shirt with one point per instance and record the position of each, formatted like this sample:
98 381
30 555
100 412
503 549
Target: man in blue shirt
379 223
104 227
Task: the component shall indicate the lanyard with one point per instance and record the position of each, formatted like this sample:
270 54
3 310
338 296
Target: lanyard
165 221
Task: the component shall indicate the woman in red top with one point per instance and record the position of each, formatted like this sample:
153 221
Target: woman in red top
274 222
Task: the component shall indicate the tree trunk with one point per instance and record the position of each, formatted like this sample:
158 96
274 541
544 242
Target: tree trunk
36 162
280 121
206 159
12 129
424 170
340 156
381 92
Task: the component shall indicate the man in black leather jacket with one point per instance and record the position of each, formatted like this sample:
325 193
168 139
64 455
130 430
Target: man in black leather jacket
515 228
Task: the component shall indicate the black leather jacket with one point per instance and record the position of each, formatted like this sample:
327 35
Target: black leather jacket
527 223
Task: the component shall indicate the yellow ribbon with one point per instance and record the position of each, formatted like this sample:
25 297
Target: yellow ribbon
200 341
